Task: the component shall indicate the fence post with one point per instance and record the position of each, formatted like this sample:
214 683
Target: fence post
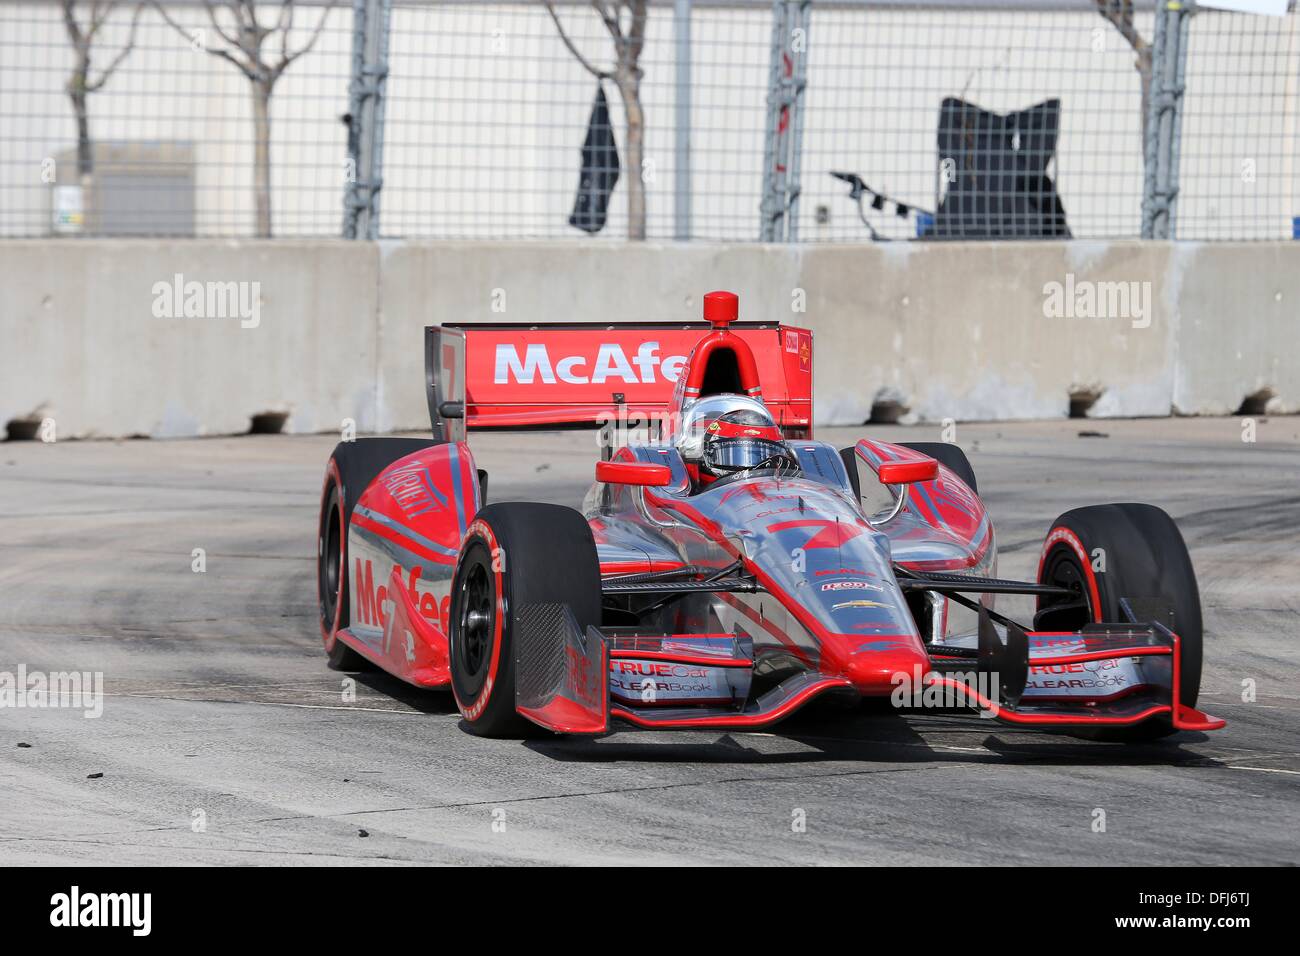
1180 85
1164 121
770 202
370 21
783 139
682 122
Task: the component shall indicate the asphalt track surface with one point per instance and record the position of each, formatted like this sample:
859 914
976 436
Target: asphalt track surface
224 738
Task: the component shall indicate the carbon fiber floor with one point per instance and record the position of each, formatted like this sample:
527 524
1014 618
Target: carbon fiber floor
225 739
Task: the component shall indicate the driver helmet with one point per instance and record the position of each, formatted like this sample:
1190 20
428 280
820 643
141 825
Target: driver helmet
738 440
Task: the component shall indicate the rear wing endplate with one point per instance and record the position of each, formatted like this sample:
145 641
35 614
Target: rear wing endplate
444 381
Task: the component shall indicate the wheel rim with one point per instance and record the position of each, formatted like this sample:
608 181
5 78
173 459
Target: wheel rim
475 620
1062 569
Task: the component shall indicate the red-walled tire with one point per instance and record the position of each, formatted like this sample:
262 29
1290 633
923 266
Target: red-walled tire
1143 556
350 470
514 554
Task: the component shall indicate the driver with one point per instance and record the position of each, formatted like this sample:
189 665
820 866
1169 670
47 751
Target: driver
742 440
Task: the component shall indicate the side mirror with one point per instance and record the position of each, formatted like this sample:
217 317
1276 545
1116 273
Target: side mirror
633 473
907 472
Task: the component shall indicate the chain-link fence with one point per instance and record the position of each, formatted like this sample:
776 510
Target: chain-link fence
171 142
1239 169
902 97
942 118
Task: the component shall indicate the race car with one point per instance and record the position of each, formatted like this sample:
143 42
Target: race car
726 569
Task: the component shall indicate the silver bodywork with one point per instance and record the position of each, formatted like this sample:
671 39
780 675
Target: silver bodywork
827 570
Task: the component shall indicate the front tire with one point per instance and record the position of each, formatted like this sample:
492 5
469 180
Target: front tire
1130 551
515 554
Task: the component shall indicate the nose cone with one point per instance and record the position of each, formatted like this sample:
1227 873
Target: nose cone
876 663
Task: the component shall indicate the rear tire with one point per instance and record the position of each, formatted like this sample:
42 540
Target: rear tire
1143 556
351 468
515 554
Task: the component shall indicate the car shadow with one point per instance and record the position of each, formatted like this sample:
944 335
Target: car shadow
872 732
867 737
423 699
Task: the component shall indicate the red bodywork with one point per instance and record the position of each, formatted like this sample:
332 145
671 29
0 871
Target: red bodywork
518 375
400 552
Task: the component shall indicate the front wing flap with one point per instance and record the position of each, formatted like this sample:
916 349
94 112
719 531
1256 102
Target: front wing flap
1104 675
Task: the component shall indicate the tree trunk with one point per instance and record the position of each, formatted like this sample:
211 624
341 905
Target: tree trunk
85 155
262 157
1119 14
629 86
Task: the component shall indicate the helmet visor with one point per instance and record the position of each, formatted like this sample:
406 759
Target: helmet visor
735 454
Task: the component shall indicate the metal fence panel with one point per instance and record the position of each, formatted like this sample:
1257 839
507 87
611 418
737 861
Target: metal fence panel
1238 171
486 117
879 76
173 126
487 110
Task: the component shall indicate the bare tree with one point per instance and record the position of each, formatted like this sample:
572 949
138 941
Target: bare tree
82 83
1120 14
629 41
249 45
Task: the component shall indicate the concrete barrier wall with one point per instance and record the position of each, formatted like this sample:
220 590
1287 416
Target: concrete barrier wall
93 337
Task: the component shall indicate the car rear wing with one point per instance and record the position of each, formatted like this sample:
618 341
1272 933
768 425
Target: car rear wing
519 376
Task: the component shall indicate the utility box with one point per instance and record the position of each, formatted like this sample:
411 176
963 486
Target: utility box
135 189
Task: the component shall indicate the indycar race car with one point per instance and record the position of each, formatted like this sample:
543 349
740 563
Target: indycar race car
726 569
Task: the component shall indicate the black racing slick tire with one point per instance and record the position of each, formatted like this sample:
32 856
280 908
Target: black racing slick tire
941 451
515 554
1133 551
351 468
